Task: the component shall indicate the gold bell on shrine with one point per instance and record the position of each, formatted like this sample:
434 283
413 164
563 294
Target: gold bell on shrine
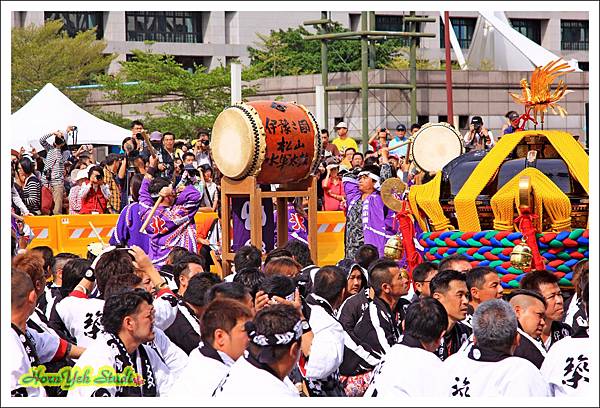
521 256
393 248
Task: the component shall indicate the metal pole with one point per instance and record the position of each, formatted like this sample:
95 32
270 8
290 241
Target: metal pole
413 72
372 42
325 77
364 50
236 83
448 68
319 105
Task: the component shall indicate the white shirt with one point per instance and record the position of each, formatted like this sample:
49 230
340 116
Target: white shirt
100 354
406 372
201 375
567 366
513 377
46 346
489 142
327 349
245 381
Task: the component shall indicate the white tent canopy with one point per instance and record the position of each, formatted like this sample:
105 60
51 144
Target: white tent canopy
50 110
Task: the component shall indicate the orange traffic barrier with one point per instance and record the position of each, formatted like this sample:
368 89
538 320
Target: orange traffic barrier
73 233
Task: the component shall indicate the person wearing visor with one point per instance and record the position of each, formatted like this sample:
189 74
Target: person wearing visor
173 222
512 124
368 220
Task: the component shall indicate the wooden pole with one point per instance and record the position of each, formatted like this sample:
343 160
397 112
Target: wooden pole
96 233
156 204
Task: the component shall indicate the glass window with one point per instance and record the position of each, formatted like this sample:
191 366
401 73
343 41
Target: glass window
530 28
574 35
463 28
395 23
76 21
164 26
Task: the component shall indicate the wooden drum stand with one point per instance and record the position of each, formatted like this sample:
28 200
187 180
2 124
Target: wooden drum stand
248 187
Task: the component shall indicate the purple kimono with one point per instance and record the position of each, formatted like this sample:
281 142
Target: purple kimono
368 221
127 231
240 210
297 225
170 226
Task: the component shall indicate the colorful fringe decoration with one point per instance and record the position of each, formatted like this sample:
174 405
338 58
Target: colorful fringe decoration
491 248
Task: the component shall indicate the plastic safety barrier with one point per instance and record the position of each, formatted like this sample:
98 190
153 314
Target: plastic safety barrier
73 233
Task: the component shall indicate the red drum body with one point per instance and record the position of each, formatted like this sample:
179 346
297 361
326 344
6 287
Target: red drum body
276 142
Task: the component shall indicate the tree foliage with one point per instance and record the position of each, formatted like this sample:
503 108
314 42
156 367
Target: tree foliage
285 52
187 100
43 54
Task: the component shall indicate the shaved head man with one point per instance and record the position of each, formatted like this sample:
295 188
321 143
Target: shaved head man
530 308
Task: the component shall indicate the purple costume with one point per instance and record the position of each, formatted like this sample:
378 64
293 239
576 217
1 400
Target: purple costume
127 231
373 219
240 209
297 225
170 226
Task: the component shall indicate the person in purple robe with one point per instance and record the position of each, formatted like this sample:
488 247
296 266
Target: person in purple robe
240 210
297 221
173 222
368 220
127 231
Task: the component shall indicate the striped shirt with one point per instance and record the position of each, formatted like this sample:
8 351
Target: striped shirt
32 194
55 161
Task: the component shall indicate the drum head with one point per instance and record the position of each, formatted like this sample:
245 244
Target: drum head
233 142
436 145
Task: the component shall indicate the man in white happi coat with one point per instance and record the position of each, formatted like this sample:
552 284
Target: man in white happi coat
223 341
275 344
489 368
424 326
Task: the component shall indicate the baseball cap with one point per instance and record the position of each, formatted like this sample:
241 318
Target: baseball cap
81 174
341 125
401 127
476 120
155 136
513 115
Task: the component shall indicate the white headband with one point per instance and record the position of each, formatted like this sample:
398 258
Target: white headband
375 177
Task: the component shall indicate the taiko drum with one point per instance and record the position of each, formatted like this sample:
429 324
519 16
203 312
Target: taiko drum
277 142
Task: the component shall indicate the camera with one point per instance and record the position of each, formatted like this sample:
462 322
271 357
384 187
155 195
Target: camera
139 136
99 177
205 142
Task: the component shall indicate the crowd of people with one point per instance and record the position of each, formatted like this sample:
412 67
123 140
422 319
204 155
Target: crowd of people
145 316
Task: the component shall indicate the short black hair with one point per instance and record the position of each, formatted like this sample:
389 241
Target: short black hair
443 265
414 126
379 273
175 253
475 278
135 184
276 253
120 283
300 251
72 273
27 165
21 286
324 131
330 282
198 286
112 263
278 285
366 255
421 271
187 154
532 280
247 256
526 292
425 320
157 184
121 305
48 256
230 290
275 319
349 148
181 266
135 123
251 278
441 282
221 314
99 169
111 158
358 154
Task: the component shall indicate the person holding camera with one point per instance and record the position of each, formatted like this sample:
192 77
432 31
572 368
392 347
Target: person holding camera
478 137
202 149
165 160
94 193
379 139
115 171
53 174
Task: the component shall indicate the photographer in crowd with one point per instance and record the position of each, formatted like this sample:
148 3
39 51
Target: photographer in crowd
202 149
53 174
478 137
94 193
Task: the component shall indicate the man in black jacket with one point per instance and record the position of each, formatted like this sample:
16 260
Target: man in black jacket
530 307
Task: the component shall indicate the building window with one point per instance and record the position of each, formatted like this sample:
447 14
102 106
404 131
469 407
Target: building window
164 26
76 21
396 23
463 28
530 28
574 35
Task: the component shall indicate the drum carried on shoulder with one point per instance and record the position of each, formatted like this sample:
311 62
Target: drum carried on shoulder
276 142
434 146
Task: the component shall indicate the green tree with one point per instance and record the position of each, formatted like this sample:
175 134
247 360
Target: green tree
187 100
43 54
285 52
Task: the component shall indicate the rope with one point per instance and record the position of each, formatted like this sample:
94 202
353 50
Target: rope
427 197
567 147
561 250
547 196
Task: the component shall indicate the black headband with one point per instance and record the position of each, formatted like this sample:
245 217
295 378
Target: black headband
273 339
